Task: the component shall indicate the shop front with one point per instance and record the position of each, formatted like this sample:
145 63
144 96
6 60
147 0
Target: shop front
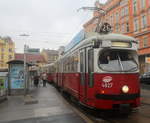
3 84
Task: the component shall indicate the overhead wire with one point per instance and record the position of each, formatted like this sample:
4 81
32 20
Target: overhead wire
79 25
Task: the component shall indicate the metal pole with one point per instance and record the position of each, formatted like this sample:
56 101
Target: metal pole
25 82
25 68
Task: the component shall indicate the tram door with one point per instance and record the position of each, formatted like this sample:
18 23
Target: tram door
90 73
83 75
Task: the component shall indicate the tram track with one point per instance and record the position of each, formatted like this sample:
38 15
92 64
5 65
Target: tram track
88 115
81 111
98 116
93 116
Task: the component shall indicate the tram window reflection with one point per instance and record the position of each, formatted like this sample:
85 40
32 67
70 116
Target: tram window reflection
116 60
104 59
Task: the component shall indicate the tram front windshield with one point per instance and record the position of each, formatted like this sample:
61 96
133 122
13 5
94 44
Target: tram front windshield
118 61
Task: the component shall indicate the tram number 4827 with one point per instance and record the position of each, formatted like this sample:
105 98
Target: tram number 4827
107 85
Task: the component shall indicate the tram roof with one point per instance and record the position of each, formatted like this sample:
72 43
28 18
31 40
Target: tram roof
82 35
116 37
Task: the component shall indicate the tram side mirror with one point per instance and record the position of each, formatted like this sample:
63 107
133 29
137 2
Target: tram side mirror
106 43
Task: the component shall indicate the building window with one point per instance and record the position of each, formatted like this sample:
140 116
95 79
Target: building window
117 27
134 6
138 45
122 12
1 65
10 57
143 4
112 19
123 2
2 56
122 28
127 27
10 49
144 22
117 17
136 25
126 11
145 42
2 49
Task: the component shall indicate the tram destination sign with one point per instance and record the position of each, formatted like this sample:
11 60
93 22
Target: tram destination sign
121 44
108 43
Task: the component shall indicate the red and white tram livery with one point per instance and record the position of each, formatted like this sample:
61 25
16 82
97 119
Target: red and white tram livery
100 70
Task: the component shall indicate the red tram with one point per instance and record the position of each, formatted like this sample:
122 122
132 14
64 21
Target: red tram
100 70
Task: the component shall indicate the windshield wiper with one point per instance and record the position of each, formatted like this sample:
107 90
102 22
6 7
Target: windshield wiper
120 61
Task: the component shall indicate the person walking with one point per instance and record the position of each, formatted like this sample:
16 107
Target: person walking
36 81
44 77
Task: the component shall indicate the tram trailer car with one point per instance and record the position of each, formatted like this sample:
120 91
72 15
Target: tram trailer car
101 71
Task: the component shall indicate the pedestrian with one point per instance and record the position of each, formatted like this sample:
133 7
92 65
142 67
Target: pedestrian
36 81
44 78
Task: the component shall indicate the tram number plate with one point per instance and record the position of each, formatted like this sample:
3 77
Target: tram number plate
107 85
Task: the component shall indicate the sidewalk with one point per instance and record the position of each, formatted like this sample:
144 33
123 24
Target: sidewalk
50 108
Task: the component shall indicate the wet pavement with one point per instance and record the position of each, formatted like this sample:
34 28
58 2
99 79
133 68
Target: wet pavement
50 108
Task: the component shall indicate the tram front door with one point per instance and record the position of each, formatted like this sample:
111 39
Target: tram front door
83 85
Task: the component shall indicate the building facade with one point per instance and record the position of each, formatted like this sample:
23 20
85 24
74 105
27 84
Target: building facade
130 17
35 59
50 56
7 50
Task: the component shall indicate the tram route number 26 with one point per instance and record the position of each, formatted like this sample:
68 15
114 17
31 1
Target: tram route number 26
107 85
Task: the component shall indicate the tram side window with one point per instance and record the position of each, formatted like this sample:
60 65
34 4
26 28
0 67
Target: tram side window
75 64
68 67
81 62
60 69
64 66
67 64
72 64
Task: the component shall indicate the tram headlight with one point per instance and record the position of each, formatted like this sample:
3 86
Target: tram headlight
125 89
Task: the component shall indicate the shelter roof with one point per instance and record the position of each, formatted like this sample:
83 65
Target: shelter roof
17 62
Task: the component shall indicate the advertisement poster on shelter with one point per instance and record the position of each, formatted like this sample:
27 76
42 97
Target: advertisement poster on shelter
17 76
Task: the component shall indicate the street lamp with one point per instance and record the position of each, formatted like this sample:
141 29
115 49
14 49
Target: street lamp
25 70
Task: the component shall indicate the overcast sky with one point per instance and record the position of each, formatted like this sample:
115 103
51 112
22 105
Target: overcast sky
50 23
